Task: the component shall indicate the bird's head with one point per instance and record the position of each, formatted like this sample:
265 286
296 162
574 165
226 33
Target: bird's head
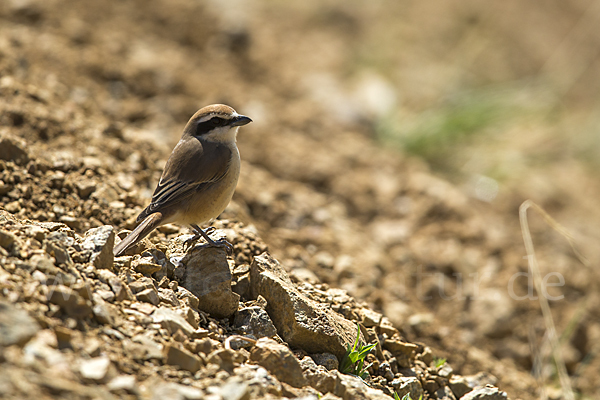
216 123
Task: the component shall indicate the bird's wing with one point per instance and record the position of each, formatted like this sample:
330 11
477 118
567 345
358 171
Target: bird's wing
192 166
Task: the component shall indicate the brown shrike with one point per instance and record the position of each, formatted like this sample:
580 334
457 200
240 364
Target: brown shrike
199 178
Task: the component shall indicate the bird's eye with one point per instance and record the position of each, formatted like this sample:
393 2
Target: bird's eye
216 121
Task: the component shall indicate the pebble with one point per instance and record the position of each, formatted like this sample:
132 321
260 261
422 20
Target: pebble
16 326
175 355
149 296
95 369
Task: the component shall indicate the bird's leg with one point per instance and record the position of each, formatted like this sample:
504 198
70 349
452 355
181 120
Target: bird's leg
198 233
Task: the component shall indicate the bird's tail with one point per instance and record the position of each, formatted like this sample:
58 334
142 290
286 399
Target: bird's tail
141 231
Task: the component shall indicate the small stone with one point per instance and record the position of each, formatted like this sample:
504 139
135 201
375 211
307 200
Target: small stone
370 318
103 312
353 387
13 207
227 359
56 245
176 391
445 393
235 389
461 385
71 222
404 352
70 301
188 297
107 295
255 321
145 265
7 239
279 361
168 296
408 385
16 326
172 321
100 242
85 187
63 336
36 232
487 392
174 355
122 382
96 369
148 296
328 360
151 349
13 149
141 284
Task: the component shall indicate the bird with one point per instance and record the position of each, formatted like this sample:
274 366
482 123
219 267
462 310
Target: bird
198 180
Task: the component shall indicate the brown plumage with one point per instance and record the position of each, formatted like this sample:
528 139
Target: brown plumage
199 178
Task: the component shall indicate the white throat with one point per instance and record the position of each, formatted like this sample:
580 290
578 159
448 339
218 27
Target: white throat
224 134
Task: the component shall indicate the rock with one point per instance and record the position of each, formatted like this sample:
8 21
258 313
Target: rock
487 392
207 276
168 296
98 369
327 360
7 239
235 389
255 321
175 355
187 297
100 242
150 349
121 291
145 265
301 322
461 385
107 295
141 285
85 187
445 393
370 318
63 336
279 361
70 301
404 352
56 245
317 376
149 296
103 312
122 382
172 321
227 359
13 207
13 149
408 385
350 387
16 326
175 391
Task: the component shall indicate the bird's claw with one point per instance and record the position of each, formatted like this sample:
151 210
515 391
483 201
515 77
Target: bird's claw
221 243
188 242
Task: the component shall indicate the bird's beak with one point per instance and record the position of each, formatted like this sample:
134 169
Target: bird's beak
240 120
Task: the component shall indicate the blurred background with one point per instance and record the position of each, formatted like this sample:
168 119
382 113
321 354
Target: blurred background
393 143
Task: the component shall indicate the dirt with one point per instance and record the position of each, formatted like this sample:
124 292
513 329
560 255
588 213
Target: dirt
94 96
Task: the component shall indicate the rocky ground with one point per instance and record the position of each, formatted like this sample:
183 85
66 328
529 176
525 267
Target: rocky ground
329 229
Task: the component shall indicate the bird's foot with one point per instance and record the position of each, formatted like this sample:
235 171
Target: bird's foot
209 242
189 242
221 243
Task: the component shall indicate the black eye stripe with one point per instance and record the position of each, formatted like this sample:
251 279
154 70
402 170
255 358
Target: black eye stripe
206 126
